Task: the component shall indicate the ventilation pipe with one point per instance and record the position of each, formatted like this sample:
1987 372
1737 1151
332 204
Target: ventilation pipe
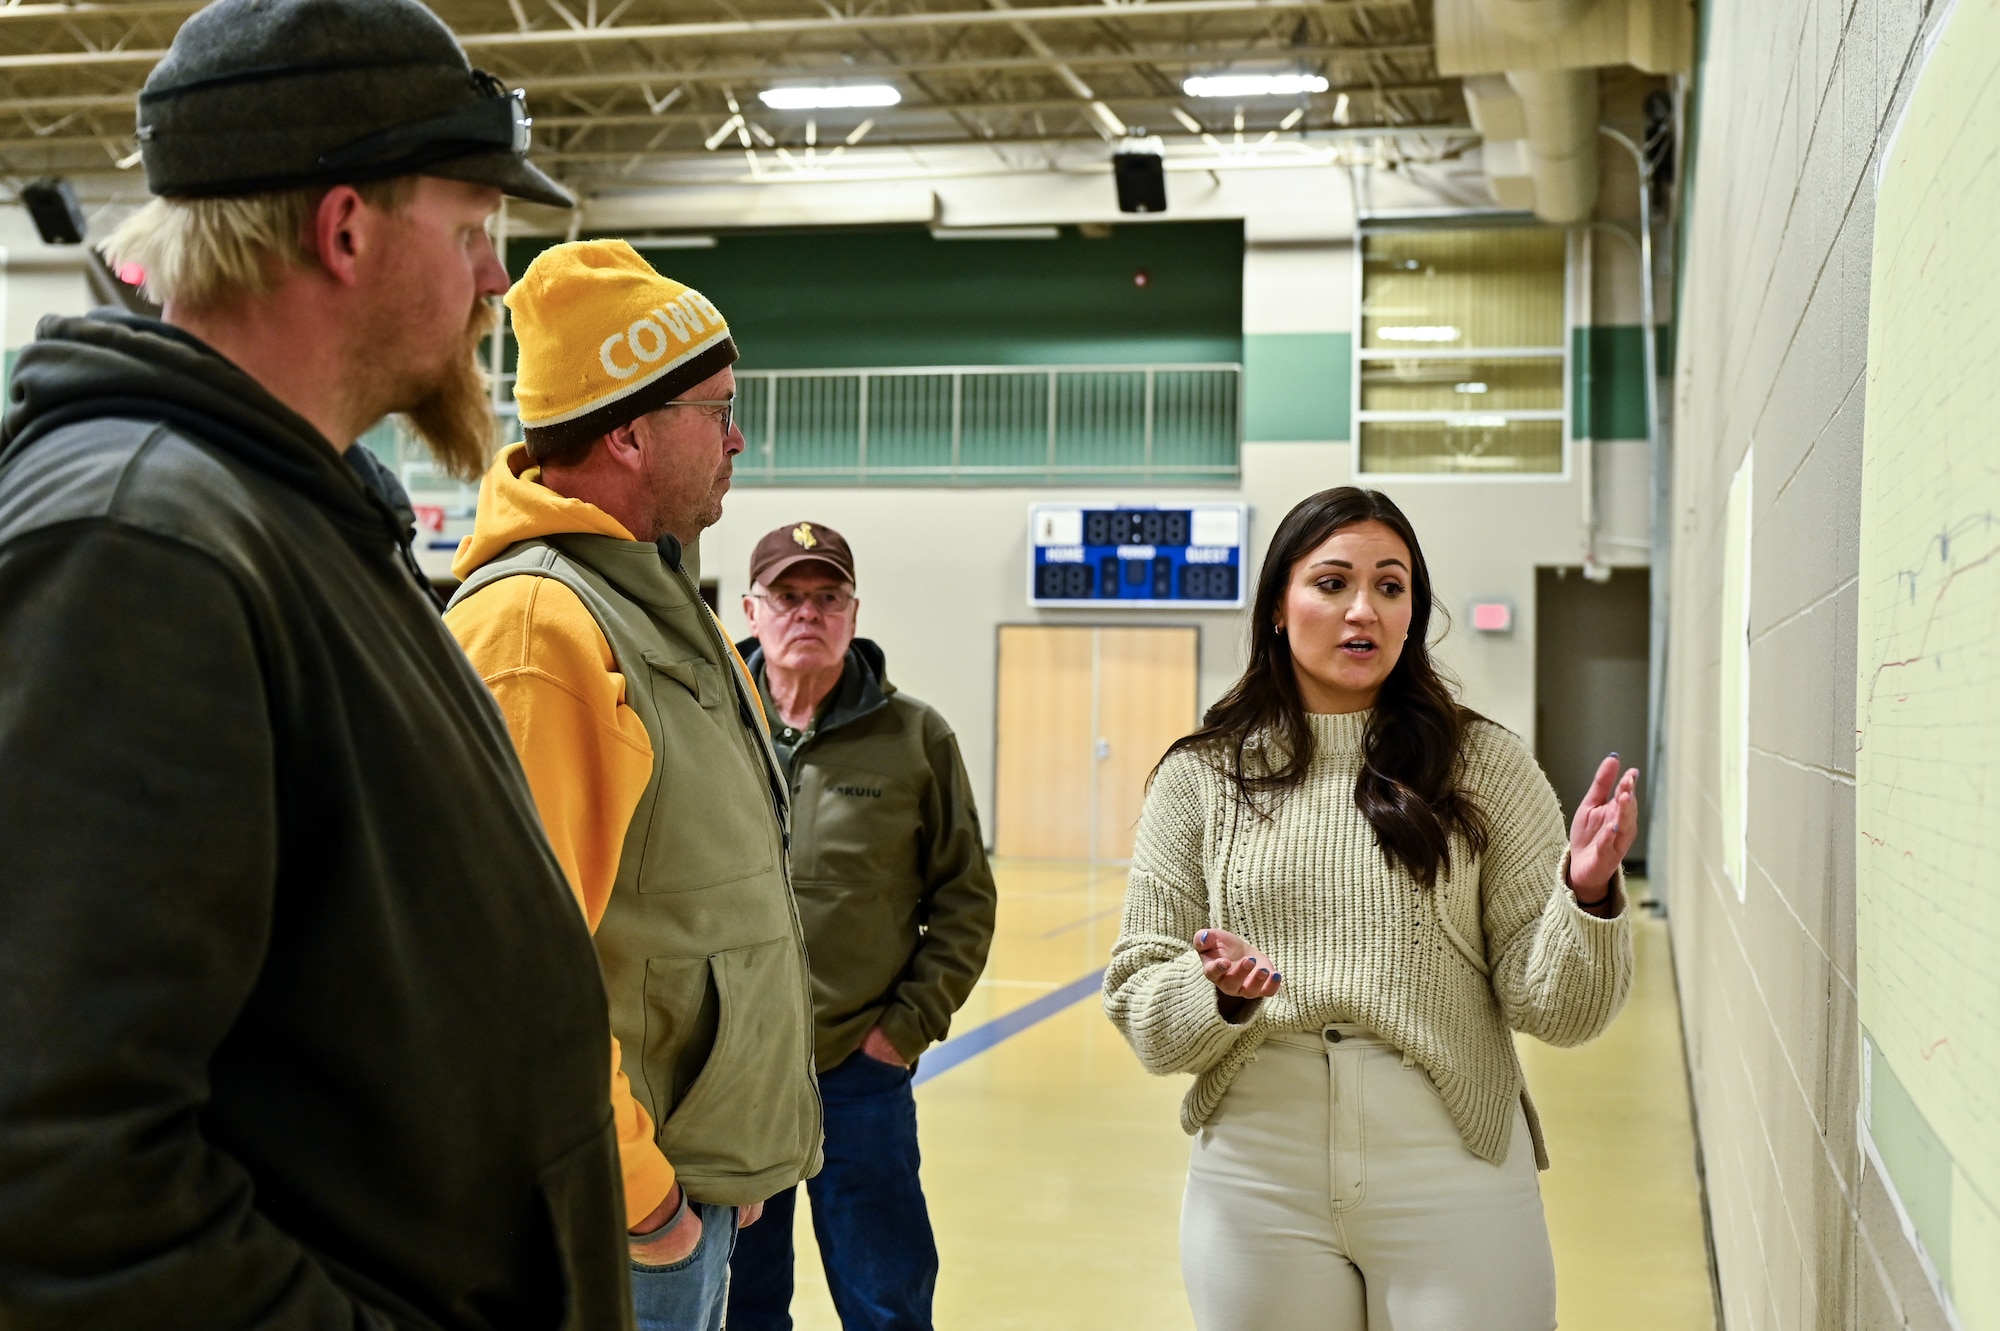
1559 107
1530 77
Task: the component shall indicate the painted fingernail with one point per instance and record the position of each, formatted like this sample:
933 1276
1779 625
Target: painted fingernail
1614 753
1201 937
1263 970
1277 978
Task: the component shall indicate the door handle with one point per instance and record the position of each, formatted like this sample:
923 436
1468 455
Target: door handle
1103 749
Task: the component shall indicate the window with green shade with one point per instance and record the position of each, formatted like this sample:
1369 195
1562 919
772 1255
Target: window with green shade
1462 364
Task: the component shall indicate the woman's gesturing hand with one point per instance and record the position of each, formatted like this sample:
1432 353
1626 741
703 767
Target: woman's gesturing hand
1606 824
1240 974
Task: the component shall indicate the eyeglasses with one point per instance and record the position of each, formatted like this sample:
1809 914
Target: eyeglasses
728 405
829 601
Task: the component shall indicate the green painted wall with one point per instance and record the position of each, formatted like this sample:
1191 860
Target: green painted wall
1297 387
829 299
1608 380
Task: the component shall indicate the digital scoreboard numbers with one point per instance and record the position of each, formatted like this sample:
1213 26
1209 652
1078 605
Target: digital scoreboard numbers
1136 557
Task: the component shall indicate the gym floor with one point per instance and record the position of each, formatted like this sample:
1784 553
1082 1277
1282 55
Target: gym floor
1054 1163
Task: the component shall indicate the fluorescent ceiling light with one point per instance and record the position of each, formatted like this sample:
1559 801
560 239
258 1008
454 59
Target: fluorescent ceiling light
1418 333
831 97
1474 387
1252 85
995 233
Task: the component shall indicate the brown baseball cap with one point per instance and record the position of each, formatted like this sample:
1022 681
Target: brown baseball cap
800 543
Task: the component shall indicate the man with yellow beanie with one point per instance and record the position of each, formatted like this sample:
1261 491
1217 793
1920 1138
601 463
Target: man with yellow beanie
648 752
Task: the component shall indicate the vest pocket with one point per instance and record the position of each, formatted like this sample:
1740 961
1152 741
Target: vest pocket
750 1109
695 675
683 1012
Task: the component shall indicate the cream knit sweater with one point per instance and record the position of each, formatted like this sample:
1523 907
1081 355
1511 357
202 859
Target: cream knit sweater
1442 973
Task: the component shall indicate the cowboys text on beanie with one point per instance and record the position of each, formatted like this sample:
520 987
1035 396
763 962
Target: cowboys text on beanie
603 340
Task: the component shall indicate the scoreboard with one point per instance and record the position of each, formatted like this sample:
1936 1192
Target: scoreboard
1137 557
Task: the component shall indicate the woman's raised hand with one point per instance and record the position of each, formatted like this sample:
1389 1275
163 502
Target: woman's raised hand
1239 972
1605 826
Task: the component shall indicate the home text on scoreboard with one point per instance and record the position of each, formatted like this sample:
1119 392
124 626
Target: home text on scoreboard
1134 556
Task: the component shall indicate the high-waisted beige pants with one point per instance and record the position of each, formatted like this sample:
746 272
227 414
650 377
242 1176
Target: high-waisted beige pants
1331 1191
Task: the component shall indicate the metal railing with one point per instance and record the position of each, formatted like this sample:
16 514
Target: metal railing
990 424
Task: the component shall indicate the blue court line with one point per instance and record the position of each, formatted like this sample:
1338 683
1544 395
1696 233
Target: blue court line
982 1038
1078 924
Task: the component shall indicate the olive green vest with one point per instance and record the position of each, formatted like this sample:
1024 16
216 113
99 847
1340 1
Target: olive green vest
700 944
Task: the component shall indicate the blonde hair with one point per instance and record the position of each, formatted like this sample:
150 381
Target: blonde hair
206 253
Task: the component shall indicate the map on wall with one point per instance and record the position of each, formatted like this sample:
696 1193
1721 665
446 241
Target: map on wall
1927 707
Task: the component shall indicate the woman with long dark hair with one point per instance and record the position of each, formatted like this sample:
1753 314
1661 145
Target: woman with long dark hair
1346 891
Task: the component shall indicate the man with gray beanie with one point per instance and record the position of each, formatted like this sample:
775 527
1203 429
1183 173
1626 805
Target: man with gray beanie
299 1024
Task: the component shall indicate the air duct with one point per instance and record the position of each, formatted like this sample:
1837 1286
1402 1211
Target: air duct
1559 107
1530 77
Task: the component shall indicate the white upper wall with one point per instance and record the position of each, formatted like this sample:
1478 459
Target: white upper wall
1282 195
1297 203
35 279
1298 287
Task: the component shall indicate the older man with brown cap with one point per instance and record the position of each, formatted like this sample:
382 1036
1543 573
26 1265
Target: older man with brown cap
299 1027
646 746
898 903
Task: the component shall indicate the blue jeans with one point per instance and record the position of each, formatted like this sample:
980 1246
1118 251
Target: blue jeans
688 1296
868 1212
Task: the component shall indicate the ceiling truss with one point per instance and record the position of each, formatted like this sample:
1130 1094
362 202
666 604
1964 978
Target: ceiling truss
653 89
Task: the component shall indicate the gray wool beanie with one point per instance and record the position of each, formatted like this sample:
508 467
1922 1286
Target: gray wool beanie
261 95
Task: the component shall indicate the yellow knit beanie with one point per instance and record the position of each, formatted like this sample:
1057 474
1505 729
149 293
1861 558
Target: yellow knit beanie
603 340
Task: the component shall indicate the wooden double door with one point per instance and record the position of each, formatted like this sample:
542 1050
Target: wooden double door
1084 714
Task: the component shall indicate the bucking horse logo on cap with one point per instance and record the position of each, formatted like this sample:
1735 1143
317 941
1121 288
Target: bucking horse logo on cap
802 536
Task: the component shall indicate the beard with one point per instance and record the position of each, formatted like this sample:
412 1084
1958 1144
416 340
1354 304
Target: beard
452 410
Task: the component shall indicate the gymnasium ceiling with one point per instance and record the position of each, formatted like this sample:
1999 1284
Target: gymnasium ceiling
637 92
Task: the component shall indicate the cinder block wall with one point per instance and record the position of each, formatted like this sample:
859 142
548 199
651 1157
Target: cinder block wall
1796 99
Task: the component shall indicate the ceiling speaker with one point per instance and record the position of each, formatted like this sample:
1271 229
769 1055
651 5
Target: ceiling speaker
1140 167
58 216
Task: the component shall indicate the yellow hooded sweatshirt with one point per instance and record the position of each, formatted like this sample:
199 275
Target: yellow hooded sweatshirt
586 753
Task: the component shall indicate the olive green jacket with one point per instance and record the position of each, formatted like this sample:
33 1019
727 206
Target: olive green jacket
887 863
700 944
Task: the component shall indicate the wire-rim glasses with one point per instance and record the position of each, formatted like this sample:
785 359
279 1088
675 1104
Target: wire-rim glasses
829 601
728 405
